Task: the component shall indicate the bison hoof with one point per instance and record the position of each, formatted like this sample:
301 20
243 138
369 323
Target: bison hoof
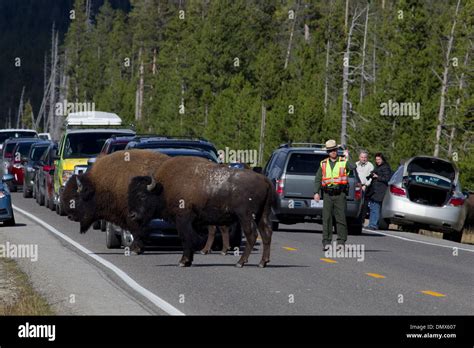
185 264
239 265
223 252
262 264
205 251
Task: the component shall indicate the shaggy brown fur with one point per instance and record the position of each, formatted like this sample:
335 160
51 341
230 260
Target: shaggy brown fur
105 186
195 191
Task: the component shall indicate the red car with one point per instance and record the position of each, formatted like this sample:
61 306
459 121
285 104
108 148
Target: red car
15 153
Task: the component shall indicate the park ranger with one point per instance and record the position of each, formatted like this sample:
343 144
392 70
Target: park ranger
332 178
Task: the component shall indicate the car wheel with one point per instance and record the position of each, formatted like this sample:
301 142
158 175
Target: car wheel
25 193
51 203
112 240
275 225
96 225
61 210
410 228
103 225
235 238
354 229
13 188
10 222
453 236
384 223
127 238
41 198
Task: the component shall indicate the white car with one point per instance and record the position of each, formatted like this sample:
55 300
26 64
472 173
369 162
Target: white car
425 192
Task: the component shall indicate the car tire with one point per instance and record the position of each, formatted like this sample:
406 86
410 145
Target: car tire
26 192
354 230
103 225
275 225
112 240
384 224
40 198
13 188
10 222
410 229
96 225
453 236
60 209
235 238
51 203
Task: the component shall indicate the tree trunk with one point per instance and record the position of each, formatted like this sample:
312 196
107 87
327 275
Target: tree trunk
262 133
444 85
290 41
364 45
326 79
140 88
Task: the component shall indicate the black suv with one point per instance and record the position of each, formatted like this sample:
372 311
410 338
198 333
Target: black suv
292 169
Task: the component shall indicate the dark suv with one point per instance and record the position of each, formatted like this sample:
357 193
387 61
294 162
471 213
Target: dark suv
292 169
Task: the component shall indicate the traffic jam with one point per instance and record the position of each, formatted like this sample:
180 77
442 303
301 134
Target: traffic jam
158 190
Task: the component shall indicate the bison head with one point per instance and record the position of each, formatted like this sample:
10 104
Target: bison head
78 199
145 199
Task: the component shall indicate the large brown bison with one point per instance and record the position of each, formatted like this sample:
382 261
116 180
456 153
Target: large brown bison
193 192
101 193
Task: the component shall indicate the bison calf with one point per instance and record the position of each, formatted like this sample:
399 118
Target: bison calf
194 191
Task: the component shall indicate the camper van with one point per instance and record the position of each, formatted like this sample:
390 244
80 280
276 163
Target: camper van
83 138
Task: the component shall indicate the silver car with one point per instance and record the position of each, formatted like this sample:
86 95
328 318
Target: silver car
425 192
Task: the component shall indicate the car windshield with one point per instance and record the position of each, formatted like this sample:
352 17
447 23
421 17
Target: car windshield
37 152
85 145
9 148
118 147
23 149
306 163
18 134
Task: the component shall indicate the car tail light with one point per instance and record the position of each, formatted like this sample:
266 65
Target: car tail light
358 193
397 191
280 184
456 201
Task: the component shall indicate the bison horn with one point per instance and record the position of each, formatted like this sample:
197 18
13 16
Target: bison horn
152 185
79 184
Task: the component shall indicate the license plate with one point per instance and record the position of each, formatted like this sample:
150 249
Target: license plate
315 204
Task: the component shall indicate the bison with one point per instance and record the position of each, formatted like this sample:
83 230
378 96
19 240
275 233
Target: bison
193 192
101 193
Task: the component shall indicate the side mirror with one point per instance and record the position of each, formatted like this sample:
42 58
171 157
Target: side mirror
7 177
258 170
466 194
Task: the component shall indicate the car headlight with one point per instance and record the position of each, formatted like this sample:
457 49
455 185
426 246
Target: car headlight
2 194
66 175
30 169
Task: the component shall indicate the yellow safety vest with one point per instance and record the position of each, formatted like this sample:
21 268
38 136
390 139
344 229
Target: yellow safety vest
334 176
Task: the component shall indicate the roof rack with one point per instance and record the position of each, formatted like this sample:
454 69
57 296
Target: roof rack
291 144
169 137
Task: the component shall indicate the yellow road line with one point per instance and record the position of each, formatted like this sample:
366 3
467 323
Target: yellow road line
433 293
289 249
328 260
375 275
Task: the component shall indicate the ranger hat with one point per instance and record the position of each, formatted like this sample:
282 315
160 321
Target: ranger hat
331 145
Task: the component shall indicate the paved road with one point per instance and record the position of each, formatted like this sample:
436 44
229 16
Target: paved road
400 274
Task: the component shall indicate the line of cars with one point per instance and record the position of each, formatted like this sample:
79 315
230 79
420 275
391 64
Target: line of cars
424 192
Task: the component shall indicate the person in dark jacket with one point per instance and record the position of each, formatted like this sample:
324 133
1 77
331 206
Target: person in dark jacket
376 191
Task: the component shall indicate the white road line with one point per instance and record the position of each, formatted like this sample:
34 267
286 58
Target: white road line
419 241
158 301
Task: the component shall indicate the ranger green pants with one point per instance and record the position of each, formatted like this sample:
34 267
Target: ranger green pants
334 205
